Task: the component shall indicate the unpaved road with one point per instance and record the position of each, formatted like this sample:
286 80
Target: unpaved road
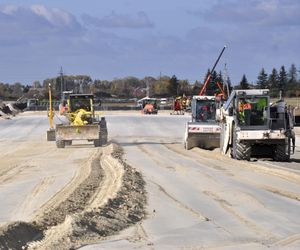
62 199
196 199
32 169
200 199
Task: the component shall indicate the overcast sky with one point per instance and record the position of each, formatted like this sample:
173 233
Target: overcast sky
108 39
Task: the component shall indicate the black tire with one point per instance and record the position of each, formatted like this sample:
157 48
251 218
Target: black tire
279 153
103 123
97 143
68 142
60 144
103 140
102 134
243 151
240 150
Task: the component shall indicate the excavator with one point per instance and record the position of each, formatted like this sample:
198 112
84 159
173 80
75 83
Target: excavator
203 130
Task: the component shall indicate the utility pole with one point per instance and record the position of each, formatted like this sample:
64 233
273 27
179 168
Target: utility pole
61 83
148 88
160 78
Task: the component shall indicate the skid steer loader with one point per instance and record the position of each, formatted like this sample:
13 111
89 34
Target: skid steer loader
203 130
83 124
250 126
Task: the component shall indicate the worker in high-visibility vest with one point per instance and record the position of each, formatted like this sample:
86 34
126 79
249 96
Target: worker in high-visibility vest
244 106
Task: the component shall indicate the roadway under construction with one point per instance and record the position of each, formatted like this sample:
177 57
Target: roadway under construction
140 190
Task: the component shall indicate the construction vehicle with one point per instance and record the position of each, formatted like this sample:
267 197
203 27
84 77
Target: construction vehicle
149 106
251 126
83 124
63 106
203 130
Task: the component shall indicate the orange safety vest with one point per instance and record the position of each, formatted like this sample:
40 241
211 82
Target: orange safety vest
247 106
244 106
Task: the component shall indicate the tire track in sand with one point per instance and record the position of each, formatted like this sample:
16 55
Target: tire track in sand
247 222
181 204
25 207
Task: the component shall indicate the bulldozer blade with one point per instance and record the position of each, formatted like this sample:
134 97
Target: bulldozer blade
77 132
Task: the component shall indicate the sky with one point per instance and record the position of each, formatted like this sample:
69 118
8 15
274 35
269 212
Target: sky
110 39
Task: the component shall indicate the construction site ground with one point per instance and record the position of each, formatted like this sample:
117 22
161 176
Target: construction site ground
141 191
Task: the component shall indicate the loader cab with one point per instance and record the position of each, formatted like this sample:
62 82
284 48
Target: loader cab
252 110
149 106
151 101
203 109
80 101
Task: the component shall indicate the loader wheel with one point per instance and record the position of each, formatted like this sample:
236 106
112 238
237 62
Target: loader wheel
279 153
103 137
243 151
102 134
68 142
60 144
240 150
97 143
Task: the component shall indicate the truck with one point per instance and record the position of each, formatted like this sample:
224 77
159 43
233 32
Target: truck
252 126
82 122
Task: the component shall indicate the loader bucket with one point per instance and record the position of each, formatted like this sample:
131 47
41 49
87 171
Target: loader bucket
202 140
206 136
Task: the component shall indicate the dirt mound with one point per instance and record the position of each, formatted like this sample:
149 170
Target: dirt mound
77 201
111 198
17 234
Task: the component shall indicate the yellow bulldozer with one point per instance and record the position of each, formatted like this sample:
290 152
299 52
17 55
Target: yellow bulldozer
82 122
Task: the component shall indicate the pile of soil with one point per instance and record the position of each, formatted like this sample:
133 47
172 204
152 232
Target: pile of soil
77 221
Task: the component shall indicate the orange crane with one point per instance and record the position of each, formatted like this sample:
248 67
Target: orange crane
210 74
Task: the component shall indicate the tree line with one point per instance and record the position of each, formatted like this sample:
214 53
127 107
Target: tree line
163 86
278 80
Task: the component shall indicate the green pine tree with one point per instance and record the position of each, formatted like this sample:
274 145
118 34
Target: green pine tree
282 80
273 83
262 79
173 86
292 84
244 84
